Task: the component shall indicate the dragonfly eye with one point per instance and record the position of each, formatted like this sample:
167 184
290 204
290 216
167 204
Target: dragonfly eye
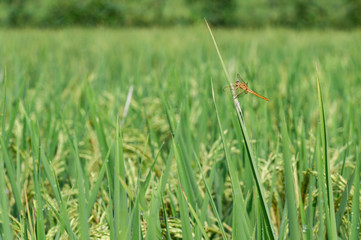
237 82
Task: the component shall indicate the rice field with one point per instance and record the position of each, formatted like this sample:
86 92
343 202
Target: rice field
129 134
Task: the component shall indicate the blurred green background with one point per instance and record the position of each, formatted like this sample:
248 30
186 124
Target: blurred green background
120 13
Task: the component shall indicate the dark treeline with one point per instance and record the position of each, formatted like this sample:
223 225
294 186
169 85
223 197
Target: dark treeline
246 13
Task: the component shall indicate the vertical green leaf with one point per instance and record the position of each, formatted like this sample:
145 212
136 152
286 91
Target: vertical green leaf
248 148
240 222
120 197
184 215
11 175
82 200
4 204
289 182
332 230
355 212
40 226
210 198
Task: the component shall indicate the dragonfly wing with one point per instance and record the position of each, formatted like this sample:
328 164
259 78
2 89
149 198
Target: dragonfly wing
230 87
239 77
240 93
226 87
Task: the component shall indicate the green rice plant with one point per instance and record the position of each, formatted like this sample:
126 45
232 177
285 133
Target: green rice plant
6 224
9 167
289 182
355 224
330 213
38 153
120 197
213 205
260 190
83 213
240 222
179 158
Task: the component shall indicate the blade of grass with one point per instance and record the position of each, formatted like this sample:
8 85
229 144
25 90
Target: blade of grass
40 229
135 219
289 182
344 200
218 52
144 185
4 204
248 147
51 176
273 186
204 209
310 209
259 219
355 224
14 112
93 193
165 219
99 129
210 198
154 227
322 195
110 207
185 144
186 176
167 169
195 215
134 229
154 223
283 228
184 215
37 150
332 230
256 177
83 214
95 190
240 223
120 197
11 175
8 165
3 115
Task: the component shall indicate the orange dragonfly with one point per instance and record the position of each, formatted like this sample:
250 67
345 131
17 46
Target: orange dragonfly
243 88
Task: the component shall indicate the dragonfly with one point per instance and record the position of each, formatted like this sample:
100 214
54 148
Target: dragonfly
243 88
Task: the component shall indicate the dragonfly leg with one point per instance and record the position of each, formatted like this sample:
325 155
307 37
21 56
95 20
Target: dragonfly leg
239 94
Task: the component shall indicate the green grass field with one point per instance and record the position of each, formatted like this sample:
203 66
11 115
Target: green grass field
78 160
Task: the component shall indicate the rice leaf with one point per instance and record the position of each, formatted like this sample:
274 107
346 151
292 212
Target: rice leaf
332 230
355 212
289 182
248 148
